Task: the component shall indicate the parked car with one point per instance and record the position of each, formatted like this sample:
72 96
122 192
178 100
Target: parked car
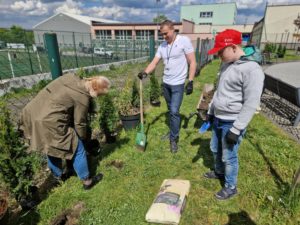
103 52
86 50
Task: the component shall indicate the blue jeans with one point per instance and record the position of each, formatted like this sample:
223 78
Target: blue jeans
225 155
173 95
79 163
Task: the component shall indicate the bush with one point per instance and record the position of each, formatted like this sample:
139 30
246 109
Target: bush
154 88
268 48
280 52
108 118
128 100
17 167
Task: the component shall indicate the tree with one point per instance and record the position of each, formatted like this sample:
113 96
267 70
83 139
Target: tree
159 18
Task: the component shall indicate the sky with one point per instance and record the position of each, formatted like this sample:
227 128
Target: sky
27 13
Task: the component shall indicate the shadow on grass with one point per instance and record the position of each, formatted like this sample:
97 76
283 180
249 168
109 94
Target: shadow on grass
105 152
277 179
239 218
157 118
203 152
31 217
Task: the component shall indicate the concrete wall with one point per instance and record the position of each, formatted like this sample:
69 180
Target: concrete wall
29 81
223 13
279 25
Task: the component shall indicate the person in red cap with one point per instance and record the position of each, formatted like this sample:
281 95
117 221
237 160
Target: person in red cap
238 93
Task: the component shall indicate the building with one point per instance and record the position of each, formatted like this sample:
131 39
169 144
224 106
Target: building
134 31
210 14
277 26
69 28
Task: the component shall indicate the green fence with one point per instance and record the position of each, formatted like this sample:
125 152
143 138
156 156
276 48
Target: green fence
76 50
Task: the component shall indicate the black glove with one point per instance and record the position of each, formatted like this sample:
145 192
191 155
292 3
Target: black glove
209 118
92 147
142 75
189 88
231 138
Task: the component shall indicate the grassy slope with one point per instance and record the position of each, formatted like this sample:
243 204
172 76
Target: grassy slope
268 158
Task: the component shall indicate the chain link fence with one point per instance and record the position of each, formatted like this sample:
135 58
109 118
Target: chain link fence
76 50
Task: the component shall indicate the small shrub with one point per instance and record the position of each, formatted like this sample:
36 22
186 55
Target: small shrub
128 100
17 167
108 117
112 67
154 88
81 73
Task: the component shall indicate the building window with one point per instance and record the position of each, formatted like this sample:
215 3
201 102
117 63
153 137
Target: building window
103 34
205 23
144 34
206 14
123 34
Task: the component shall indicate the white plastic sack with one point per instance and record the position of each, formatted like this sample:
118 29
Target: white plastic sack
170 202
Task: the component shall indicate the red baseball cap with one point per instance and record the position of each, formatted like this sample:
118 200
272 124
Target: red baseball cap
226 38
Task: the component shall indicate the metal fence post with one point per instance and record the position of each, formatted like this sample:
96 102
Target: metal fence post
28 52
125 49
151 48
92 49
53 54
74 45
197 51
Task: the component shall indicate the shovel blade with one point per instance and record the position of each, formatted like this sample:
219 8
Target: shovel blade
205 126
141 140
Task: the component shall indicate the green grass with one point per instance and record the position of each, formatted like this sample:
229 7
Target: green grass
268 159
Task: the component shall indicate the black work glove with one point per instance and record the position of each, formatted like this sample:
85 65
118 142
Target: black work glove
189 88
142 75
231 138
92 147
209 118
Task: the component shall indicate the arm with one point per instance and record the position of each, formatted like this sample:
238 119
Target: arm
152 65
80 120
192 62
252 89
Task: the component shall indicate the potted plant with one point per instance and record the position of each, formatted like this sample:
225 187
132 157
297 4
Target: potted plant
108 117
128 105
154 91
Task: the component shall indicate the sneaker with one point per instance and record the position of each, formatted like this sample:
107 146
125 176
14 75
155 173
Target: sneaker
213 175
95 180
165 137
226 193
173 147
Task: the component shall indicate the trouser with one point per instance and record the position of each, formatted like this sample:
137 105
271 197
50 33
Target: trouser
173 95
79 161
225 155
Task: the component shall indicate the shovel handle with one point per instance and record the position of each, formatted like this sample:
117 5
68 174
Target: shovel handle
141 102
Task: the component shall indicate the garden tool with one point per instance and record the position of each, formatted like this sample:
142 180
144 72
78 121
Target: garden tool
205 126
141 137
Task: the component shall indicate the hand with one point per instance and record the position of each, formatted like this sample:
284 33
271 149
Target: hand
142 75
209 118
231 138
92 147
189 88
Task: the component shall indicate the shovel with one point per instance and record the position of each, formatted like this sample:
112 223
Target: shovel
141 137
205 126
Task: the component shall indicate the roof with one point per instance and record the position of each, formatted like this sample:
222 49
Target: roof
84 19
95 23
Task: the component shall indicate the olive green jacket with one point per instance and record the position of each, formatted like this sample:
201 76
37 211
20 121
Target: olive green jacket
57 116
